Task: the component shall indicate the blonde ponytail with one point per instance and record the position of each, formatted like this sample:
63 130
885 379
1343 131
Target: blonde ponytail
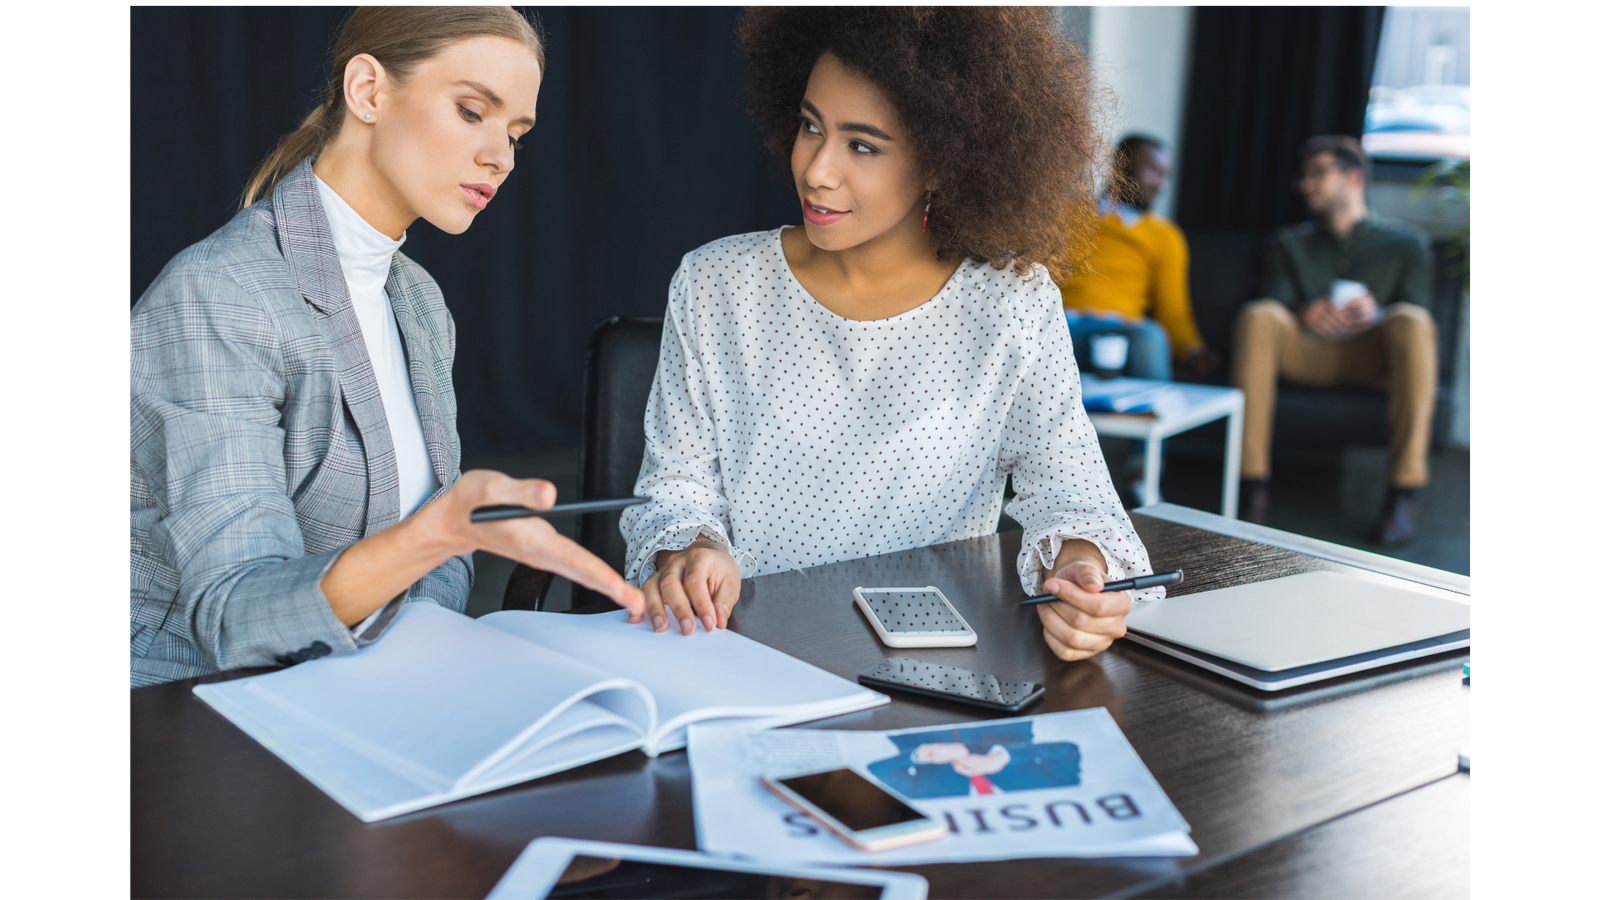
399 38
292 149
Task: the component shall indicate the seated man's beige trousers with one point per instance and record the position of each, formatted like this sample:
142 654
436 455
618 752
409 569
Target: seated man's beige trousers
1399 355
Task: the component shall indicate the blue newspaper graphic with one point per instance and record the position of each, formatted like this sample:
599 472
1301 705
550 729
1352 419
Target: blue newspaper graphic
976 761
1061 784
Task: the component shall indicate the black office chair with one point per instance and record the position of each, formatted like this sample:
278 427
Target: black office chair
617 376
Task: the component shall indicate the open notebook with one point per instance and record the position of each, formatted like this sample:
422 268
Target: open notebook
444 706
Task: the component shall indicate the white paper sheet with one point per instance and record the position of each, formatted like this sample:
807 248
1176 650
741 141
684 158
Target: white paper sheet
694 677
1070 785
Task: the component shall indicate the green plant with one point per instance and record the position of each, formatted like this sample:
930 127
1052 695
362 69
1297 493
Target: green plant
1457 174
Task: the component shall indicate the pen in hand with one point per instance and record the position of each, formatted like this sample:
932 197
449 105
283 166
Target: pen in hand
1127 584
579 508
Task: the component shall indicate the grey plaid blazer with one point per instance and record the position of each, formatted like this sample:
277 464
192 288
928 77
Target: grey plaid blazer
260 449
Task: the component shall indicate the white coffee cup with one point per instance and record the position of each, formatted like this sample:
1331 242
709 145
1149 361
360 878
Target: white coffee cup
1345 290
1109 351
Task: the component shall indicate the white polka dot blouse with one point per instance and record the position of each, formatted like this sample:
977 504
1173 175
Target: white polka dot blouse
794 437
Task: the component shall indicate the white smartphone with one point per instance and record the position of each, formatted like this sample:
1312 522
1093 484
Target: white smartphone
866 814
1345 290
914 617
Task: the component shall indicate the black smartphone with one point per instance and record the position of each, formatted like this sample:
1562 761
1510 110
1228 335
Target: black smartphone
578 508
951 683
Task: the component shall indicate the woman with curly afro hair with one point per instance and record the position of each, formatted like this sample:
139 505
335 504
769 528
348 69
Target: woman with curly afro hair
865 383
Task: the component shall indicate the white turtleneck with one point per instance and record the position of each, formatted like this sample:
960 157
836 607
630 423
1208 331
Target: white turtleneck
365 254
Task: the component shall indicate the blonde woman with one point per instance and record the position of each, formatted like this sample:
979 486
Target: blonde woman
295 465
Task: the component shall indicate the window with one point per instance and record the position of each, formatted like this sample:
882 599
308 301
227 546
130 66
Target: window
1421 102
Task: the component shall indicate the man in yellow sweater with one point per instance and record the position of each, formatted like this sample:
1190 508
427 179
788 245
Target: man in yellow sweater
1135 283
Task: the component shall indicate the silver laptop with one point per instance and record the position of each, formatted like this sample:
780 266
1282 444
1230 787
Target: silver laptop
1303 628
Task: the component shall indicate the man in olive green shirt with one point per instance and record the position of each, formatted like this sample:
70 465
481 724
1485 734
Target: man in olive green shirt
1345 302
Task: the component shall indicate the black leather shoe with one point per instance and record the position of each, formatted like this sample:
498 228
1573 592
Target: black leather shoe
1397 523
1254 500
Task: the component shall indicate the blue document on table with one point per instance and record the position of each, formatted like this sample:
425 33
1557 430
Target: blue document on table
1060 784
1126 395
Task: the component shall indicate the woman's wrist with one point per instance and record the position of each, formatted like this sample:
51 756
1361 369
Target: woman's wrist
379 567
1076 550
434 533
700 543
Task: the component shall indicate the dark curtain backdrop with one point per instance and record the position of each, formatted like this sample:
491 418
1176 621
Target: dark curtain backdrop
642 152
1262 81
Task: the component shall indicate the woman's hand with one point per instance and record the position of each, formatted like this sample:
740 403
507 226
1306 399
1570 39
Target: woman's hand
532 541
700 580
377 568
1083 621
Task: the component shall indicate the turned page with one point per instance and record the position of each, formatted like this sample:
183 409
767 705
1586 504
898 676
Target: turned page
438 696
694 677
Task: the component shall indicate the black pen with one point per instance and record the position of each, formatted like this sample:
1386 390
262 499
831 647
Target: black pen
1127 584
608 504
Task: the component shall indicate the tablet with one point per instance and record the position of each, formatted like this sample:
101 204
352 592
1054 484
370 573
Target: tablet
1298 629
562 868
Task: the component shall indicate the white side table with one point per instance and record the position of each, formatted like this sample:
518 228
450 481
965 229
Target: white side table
1195 405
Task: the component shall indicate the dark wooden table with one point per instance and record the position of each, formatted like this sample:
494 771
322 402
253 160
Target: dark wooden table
1413 845
1344 788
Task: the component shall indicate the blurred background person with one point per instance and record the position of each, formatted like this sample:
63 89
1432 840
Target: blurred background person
1136 281
1345 299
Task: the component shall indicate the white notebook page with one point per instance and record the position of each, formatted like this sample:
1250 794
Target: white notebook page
476 689
696 676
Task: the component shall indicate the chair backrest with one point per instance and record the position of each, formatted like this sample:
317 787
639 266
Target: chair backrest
1447 306
620 370
1224 269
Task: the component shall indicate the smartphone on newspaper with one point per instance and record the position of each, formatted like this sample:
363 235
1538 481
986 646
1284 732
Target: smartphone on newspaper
866 814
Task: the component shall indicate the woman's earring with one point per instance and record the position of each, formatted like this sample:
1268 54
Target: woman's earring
925 209
369 115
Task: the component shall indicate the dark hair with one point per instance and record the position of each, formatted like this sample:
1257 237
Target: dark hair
1346 150
1000 110
399 38
1123 187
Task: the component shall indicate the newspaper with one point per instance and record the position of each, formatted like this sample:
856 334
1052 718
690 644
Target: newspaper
1061 784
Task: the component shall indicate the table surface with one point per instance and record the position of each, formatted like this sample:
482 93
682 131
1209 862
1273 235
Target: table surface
1413 845
1275 787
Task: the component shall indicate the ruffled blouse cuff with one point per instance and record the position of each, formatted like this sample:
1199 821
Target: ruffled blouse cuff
677 537
1039 554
